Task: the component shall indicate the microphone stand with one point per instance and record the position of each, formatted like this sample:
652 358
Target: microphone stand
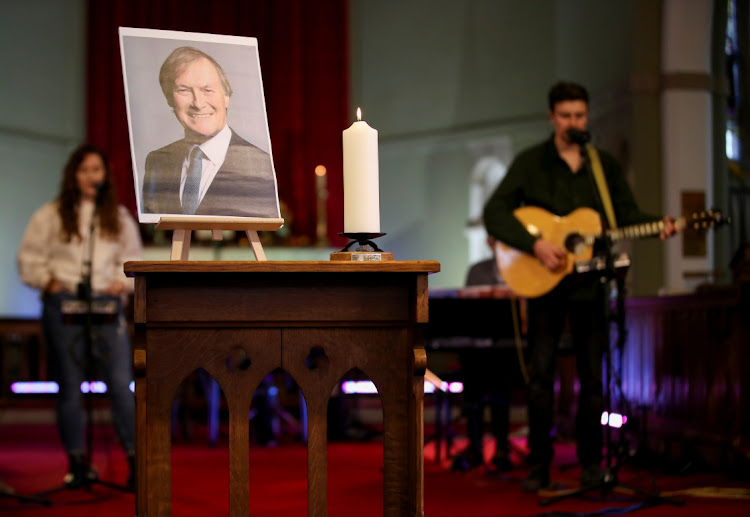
607 275
85 295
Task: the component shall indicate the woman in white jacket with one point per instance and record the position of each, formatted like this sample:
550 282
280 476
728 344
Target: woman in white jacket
59 257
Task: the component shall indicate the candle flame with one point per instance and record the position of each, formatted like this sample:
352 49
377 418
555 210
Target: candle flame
359 114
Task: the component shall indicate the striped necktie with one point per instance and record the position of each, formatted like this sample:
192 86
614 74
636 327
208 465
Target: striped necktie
191 191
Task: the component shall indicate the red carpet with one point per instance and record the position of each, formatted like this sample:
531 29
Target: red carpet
31 460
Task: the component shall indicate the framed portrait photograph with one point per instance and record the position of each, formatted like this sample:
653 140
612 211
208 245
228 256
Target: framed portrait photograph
199 138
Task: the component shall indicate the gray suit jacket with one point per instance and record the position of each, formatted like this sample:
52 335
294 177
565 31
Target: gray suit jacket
244 186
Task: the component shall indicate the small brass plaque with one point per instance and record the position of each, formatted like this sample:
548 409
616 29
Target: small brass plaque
367 257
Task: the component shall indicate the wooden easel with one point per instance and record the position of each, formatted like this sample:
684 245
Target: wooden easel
183 228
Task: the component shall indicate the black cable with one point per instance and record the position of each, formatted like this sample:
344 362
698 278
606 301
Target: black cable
615 510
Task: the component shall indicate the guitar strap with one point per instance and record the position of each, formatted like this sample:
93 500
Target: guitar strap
601 183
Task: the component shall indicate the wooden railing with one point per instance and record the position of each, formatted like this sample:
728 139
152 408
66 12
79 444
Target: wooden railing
686 361
23 354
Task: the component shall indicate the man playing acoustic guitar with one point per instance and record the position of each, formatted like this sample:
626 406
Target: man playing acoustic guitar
552 176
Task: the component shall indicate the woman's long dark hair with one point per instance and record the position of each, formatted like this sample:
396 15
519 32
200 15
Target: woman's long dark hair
70 196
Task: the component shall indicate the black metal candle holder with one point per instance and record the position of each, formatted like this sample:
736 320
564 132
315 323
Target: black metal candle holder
362 239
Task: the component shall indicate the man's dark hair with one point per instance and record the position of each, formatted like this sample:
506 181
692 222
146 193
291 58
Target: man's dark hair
565 91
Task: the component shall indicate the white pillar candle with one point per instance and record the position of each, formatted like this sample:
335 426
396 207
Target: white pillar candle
361 183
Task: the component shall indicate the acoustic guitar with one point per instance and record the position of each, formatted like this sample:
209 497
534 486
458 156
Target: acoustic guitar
576 233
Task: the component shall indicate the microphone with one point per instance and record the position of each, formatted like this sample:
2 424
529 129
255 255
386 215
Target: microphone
99 187
578 136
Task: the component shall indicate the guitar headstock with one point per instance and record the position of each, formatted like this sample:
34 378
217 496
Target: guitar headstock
706 219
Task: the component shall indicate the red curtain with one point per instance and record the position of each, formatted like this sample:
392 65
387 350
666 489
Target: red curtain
303 49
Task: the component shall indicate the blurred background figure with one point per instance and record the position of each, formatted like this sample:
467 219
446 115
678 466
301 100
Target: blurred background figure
485 385
556 176
73 249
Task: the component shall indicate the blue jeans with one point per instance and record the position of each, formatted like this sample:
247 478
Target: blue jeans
111 356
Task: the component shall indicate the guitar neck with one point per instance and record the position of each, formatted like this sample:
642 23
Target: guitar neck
636 231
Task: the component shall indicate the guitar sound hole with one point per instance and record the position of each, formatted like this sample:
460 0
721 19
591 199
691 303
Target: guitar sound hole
575 243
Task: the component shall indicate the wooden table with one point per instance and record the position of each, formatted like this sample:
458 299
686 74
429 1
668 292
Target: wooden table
316 320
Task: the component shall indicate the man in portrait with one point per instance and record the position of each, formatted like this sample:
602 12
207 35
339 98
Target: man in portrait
212 170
